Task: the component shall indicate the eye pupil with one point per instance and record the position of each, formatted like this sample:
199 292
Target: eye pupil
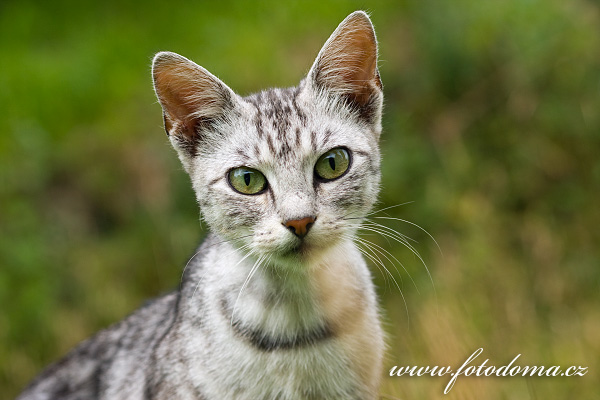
247 178
332 162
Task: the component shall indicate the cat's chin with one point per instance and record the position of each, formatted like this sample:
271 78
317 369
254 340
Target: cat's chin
300 250
303 252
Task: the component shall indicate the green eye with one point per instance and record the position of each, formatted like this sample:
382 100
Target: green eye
333 164
247 180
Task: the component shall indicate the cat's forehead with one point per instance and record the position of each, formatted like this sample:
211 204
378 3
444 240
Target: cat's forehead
278 119
280 125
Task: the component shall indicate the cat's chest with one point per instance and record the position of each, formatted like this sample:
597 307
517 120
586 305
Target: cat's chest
313 341
244 371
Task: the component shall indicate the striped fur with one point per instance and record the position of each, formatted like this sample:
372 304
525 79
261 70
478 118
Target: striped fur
261 313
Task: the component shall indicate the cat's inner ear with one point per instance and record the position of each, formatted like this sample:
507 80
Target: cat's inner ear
347 63
189 95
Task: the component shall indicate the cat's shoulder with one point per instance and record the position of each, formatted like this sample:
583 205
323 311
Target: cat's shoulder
81 373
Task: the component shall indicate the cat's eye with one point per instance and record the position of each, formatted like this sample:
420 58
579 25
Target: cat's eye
333 164
247 180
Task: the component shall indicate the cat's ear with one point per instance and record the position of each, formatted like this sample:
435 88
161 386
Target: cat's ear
347 65
191 98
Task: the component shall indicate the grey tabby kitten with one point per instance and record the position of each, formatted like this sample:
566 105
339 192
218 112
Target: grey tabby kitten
278 302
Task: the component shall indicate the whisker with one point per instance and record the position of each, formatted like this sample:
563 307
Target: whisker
253 270
391 276
368 255
383 252
345 216
391 233
369 245
375 259
378 251
411 248
387 232
387 208
401 235
186 265
230 240
418 226
376 263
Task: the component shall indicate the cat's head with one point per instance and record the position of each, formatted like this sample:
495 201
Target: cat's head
285 172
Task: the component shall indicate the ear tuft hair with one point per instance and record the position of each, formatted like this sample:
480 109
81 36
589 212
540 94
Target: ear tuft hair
189 95
347 63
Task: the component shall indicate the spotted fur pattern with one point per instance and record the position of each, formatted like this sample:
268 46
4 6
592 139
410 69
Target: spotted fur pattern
261 313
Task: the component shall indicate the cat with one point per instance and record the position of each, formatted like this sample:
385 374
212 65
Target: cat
278 302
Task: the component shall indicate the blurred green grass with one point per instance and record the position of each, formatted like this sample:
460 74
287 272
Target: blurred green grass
491 129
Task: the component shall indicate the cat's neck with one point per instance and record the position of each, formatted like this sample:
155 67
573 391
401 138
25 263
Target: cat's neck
312 296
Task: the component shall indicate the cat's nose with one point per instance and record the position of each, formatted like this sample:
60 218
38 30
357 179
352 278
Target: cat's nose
300 227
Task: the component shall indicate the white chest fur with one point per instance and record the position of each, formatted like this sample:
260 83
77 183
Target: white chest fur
318 339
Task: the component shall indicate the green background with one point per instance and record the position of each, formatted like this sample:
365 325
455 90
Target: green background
491 131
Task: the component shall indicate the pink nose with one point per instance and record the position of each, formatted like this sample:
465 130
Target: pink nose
300 227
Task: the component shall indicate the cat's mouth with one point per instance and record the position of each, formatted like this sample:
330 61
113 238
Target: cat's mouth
301 248
306 248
